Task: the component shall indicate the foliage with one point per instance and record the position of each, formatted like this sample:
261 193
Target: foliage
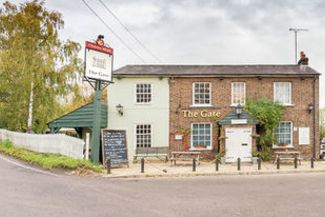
269 114
34 60
82 95
220 154
48 161
264 154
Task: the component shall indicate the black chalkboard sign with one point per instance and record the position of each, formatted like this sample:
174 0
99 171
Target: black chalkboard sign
114 146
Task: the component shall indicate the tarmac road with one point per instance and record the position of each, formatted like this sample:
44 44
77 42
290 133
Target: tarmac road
26 191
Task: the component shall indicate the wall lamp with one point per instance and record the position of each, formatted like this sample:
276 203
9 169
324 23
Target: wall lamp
239 110
310 108
119 109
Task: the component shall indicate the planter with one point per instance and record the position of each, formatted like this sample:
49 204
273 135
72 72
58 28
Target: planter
254 160
282 145
200 147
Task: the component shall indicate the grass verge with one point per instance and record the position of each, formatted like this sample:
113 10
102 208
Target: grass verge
49 161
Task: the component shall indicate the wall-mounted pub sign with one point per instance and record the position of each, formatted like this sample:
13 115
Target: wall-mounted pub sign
203 114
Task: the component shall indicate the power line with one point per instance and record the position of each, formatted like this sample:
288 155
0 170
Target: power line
133 36
112 31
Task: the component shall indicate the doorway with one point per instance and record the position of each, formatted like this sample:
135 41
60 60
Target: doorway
238 144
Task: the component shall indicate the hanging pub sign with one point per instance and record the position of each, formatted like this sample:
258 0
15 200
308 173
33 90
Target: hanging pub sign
98 60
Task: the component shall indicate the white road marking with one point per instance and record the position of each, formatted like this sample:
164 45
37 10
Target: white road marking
27 167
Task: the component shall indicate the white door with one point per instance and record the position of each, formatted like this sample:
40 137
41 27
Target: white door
238 144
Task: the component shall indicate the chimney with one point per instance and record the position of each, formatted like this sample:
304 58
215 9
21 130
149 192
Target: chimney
303 59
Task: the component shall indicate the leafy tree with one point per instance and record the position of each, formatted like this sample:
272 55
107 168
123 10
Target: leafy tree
82 95
37 69
269 114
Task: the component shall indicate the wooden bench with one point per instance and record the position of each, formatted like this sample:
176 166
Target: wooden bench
288 155
156 152
185 156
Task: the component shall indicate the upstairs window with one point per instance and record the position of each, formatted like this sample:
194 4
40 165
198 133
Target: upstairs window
143 93
143 135
238 93
201 93
282 92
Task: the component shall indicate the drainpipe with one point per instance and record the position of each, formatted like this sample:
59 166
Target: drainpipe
314 117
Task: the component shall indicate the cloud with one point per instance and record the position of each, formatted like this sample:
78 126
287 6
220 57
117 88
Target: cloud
203 31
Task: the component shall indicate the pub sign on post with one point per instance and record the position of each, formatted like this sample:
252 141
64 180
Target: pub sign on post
99 60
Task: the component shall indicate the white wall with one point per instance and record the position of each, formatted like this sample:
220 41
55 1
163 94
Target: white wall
156 113
46 143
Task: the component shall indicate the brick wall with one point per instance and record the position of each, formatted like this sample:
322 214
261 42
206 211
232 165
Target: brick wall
181 99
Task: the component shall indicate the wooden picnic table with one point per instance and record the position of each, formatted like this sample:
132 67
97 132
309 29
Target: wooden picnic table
185 155
287 155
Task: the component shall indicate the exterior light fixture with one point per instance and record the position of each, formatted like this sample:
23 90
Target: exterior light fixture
310 108
239 110
119 109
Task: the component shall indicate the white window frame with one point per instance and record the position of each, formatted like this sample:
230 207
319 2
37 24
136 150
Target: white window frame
232 93
135 94
202 149
135 135
193 94
290 96
291 137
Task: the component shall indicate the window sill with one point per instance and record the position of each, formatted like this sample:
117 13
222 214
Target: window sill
201 105
284 104
283 147
138 103
200 149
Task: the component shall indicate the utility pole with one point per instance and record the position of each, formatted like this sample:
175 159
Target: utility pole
296 30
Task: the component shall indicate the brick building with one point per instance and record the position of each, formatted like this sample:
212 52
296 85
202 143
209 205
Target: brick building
203 100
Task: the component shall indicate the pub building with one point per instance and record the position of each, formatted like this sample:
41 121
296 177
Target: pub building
200 107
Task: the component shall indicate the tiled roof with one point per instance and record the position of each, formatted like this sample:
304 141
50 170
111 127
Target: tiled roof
211 70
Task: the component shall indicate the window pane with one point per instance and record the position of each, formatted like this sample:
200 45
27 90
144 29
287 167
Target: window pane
238 93
282 92
201 93
143 93
143 135
201 134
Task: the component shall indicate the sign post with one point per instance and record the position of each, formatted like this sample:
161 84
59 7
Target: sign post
98 70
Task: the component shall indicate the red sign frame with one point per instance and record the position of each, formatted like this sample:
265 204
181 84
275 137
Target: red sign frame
99 48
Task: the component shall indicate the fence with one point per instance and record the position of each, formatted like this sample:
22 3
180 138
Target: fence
46 143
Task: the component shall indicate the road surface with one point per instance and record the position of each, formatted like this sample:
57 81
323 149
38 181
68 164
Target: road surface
26 191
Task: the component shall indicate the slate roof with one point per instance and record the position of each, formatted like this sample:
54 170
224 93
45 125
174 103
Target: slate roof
214 70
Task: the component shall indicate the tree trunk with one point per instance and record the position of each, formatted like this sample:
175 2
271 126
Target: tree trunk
30 109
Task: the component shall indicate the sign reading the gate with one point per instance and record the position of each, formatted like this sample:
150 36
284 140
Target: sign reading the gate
203 114
99 58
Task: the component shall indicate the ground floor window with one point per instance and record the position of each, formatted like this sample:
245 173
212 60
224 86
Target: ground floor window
143 135
201 135
284 133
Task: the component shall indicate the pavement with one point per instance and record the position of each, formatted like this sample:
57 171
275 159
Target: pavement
208 168
32 192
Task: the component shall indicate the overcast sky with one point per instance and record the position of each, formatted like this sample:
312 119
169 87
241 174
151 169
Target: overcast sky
202 31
